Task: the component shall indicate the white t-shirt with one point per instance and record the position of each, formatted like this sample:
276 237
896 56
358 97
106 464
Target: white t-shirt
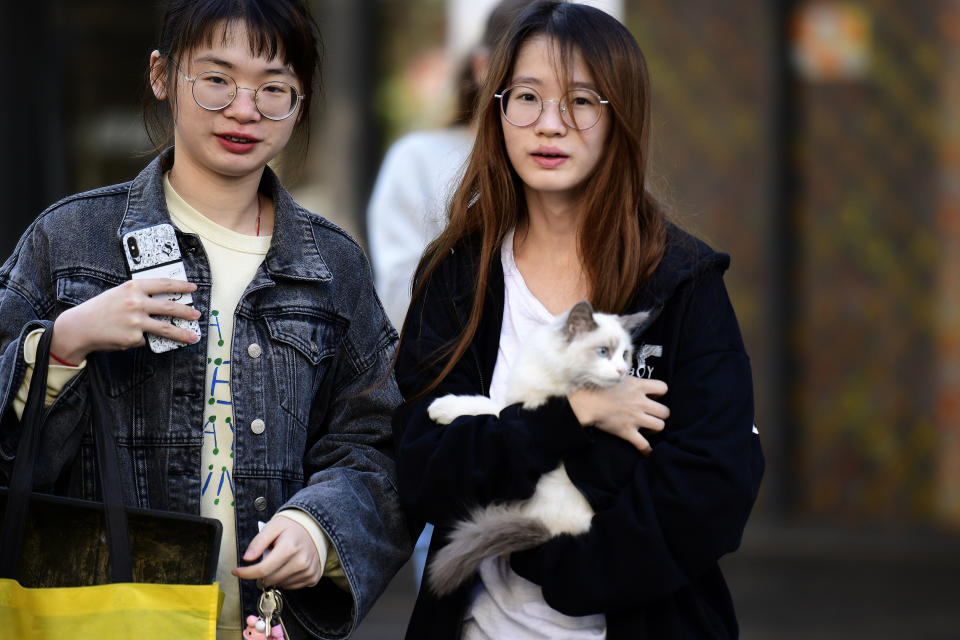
507 605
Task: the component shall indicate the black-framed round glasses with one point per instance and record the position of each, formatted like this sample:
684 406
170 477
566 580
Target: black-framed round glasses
213 91
579 108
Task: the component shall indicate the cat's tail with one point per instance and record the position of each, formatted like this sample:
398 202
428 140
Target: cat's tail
490 531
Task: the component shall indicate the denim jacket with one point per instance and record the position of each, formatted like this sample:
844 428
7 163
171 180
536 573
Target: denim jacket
323 371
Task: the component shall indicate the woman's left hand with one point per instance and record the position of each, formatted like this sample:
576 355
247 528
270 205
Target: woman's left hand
292 561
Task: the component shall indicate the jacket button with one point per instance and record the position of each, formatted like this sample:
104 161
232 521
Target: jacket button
314 347
260 504
258 426
254 350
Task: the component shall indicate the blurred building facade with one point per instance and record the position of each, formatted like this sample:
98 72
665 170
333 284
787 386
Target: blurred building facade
832 181
812 140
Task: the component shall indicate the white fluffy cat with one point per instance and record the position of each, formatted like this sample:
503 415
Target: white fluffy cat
581 349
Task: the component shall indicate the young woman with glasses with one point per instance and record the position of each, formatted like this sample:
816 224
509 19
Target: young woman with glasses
553 209
275 417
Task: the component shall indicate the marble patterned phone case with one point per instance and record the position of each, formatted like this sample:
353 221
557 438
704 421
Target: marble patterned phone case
154 252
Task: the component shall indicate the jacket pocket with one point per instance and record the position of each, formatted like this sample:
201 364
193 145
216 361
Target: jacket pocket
304 345
78 287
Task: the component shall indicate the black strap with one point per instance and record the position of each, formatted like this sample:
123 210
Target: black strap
118 535
21 479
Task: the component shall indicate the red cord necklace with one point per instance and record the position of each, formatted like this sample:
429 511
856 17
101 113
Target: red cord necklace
259 211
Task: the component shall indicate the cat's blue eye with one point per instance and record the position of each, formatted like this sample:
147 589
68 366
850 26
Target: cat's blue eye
603 351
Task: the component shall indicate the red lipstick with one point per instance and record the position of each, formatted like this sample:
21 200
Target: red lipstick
236 142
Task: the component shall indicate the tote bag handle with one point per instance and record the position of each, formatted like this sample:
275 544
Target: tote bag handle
21 480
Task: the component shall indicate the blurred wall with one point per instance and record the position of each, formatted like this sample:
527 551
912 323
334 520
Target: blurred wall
866 155
947 288
713 72
70 103
844 266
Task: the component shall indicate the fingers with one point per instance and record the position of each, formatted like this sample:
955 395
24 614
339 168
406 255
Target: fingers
653 415
646 386
164 307
292 561
638 441
653 387
153 286
650 413
145 308
262 541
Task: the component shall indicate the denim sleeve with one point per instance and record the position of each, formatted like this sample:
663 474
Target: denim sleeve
351 488
28 302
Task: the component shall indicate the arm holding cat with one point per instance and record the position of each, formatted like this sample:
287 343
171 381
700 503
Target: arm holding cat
477 459
687 503
495 458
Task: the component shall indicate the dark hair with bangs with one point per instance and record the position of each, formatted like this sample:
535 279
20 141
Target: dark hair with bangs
277 28
490 199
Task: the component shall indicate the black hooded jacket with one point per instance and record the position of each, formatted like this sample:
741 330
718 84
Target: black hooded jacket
649 560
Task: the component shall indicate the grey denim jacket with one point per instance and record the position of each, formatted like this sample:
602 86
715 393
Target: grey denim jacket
323 371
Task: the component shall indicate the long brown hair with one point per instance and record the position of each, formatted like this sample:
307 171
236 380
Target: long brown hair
490 199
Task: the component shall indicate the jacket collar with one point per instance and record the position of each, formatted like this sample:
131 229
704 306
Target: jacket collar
294 251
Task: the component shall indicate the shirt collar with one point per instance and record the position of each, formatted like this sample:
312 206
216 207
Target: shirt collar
294 252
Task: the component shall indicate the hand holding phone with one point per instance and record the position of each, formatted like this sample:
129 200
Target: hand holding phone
154 252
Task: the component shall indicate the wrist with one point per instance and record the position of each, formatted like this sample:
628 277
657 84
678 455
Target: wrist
582 407
66 344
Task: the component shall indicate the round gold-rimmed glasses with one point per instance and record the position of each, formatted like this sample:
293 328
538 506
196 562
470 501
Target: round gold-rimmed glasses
579 108
214 90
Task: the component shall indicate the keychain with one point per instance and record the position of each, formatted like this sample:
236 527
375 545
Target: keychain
256 627
269 626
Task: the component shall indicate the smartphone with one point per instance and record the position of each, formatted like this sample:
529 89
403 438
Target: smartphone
154 252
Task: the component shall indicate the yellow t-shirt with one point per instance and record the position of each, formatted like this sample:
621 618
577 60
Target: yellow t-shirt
234 259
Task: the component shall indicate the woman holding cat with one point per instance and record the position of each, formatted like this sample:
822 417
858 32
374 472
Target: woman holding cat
553 209
274 415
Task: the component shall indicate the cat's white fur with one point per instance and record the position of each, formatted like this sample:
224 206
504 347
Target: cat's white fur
581 349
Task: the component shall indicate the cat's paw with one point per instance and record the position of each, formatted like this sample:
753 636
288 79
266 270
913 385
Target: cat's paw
443 410
448 408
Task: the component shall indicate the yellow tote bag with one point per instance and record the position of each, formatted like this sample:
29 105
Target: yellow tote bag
124 610
74 597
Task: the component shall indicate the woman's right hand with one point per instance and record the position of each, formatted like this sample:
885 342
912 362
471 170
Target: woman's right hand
118 318
623 409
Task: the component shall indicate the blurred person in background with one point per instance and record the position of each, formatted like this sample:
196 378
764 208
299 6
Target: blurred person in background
408 204
553 209
419 173
294 348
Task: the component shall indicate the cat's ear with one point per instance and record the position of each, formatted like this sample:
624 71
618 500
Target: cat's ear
579 319
634 320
